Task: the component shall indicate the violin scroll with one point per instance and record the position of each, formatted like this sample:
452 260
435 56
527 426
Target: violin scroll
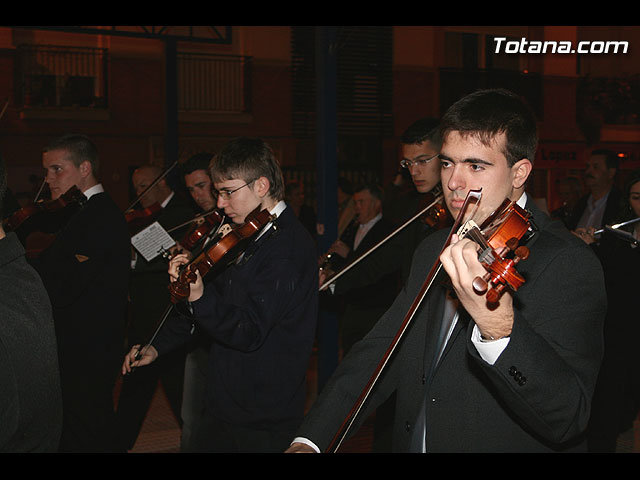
496 248
501 273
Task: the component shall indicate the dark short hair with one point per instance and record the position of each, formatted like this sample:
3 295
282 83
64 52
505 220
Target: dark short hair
488 113
79 148
610 158
425 129
374 189
248 159
199 161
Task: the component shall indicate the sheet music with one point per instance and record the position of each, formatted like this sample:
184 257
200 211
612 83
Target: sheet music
152 241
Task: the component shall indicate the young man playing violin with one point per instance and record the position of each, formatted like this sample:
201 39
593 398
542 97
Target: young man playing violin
86 273
473 375
260 313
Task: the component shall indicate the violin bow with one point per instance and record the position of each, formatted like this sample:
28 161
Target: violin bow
344 270
194 219
4 109
617 226
169 308
153 184
351 417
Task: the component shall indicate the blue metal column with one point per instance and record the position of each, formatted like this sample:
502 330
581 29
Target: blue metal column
327 164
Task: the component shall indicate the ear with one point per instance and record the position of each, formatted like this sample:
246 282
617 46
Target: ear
521 170
262 186
85 168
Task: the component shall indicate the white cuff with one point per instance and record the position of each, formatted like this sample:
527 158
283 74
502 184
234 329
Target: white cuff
306 441
489 350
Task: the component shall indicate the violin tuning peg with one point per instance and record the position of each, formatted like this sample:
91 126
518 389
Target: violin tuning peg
522 253
493 295
512 243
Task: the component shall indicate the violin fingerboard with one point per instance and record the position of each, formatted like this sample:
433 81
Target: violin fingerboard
464 230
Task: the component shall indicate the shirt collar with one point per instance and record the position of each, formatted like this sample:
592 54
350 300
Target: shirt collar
89 192
522 201
166 200
278 208
277 211
371 222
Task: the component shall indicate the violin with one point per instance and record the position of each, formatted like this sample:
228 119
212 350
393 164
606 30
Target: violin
71 198
499 235
499 249
436 214
220 254
37 224
141 218
201 230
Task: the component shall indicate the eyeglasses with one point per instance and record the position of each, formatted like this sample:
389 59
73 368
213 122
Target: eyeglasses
226 194
404 163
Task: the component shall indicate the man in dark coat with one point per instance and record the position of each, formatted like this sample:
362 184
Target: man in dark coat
368 287
260 312
86 273
516 375
602 205
30 401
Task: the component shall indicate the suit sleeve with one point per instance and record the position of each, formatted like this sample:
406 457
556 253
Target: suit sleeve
546 374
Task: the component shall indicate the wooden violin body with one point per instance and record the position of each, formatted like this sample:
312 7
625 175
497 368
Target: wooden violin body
37 225
40 212
141 218
201 230
219 254
436 215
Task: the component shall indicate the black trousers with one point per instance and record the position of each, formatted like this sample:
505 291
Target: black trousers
137 393
88 415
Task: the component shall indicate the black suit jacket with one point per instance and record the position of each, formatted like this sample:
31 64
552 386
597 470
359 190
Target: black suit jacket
86 273
536 397
261 316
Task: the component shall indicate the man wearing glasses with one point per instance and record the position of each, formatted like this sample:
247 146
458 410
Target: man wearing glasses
420 146
260 313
